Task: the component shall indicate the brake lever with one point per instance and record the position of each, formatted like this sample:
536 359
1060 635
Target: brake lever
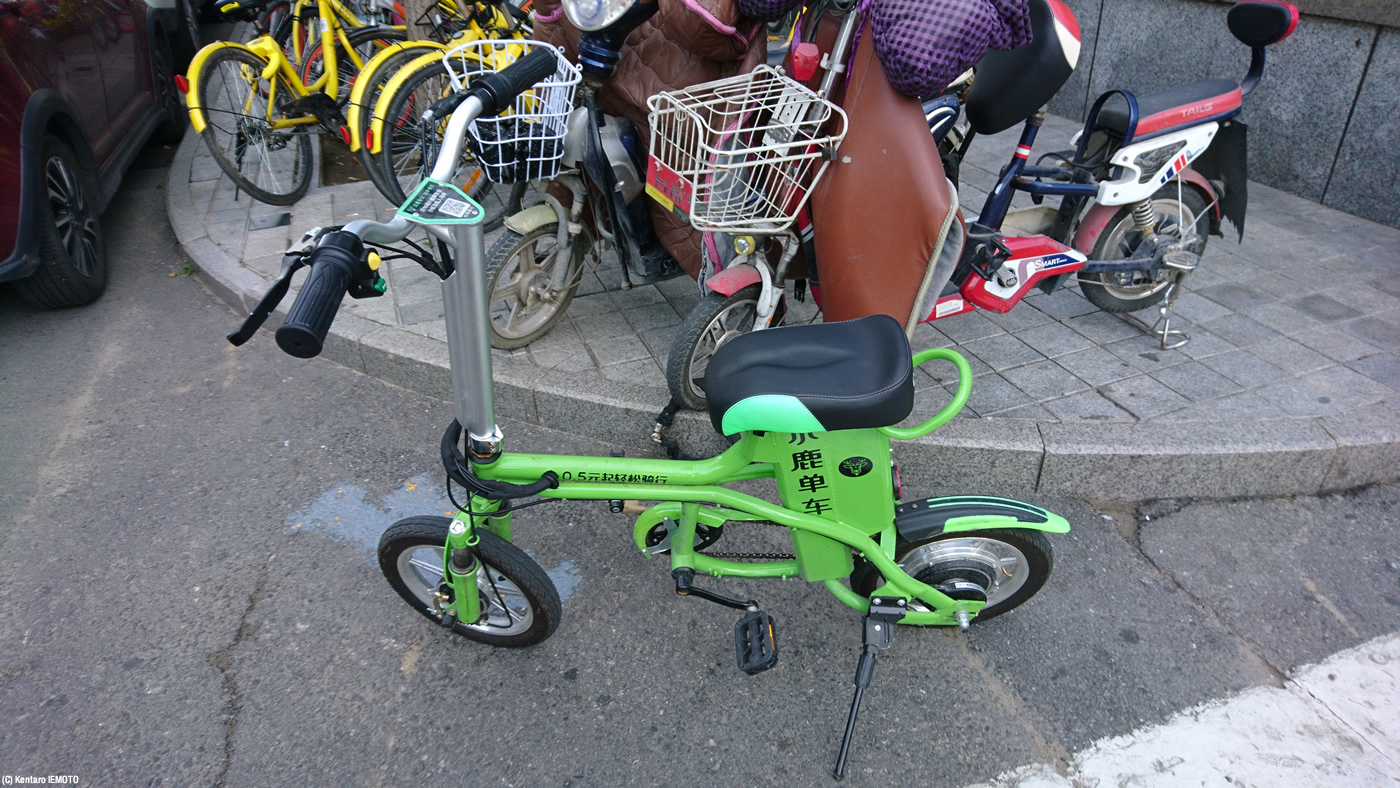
293 260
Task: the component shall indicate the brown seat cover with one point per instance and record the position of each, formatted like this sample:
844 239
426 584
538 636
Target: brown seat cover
884 206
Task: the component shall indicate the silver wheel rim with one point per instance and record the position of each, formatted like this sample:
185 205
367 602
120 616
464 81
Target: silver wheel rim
1172 215
76 226
506 609
1003 561
523 298
732 321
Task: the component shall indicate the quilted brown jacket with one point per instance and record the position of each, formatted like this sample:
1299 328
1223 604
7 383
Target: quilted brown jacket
687 42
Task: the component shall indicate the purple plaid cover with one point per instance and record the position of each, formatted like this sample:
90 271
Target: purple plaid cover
925 44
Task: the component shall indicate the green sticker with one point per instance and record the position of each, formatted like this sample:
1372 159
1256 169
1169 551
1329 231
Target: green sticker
435 202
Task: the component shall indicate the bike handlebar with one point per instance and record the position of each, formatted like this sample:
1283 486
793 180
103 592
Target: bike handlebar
336 262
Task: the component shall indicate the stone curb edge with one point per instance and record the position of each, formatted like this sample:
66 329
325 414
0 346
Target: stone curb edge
1113 462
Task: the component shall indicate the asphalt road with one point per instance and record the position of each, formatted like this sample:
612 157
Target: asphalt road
188 593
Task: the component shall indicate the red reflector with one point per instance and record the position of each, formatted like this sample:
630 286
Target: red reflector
805 59
369 139
345 135
182 84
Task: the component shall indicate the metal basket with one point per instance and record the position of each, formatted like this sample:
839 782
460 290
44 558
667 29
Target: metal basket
525 142
741 154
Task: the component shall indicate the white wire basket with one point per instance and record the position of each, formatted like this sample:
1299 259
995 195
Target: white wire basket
741 154
526 142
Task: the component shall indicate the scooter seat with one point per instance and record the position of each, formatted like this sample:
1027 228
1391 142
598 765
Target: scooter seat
1178 108
812 378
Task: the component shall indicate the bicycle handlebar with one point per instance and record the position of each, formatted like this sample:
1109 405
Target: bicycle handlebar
336 262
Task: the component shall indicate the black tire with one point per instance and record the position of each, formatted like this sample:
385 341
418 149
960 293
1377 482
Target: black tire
972 557
175 118
516 321
1120 239
713 322
518 584
185 42
365 41
72 260
270 165
409 149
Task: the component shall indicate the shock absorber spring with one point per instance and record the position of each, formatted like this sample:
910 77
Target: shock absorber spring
1144 217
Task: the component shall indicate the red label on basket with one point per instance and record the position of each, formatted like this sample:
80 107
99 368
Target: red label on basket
667 187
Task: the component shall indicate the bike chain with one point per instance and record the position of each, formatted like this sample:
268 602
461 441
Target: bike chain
756 556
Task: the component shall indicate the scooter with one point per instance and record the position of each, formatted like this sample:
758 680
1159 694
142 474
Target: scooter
1129 224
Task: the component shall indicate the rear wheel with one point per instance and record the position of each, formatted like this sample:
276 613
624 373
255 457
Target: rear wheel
520 606
369 97
365 42
410 149
72 261
1006 565
1132 291
241 109
521 272
717 319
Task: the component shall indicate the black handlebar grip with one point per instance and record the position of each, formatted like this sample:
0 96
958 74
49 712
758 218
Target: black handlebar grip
335 264
498 90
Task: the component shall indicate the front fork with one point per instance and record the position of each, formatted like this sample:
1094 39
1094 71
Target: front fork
458 598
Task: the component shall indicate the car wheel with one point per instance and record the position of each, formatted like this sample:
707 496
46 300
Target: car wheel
72 262
174 116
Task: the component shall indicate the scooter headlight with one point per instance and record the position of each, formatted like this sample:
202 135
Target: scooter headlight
590 15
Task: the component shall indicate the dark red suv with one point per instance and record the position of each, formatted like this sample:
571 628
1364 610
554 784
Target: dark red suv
83 85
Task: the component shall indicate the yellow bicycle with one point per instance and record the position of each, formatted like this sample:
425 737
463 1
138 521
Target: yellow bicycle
256 113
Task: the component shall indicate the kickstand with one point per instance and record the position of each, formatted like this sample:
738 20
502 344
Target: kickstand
879 634
1170 338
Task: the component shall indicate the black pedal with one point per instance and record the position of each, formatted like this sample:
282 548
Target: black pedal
984 251
755 646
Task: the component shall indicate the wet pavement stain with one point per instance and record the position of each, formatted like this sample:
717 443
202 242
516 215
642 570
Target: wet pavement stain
347 514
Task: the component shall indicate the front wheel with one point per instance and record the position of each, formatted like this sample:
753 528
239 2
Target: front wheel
1008 564
520 606
529 293
714 321
1178 217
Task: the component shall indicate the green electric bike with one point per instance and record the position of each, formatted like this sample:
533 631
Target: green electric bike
813 408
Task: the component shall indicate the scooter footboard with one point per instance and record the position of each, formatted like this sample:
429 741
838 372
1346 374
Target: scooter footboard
929 517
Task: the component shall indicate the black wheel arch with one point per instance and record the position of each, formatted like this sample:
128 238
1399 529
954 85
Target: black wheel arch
46 113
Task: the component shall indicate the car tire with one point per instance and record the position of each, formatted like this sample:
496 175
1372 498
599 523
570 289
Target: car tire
72 261
174 117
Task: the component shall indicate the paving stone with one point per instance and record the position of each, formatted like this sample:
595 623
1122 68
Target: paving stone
563 336
639 296
1282 318
1348 387
1001 352
1103 327
1325 308
1044 380
1144 397
1196 381
1096 366
944 373
1290 356
652 316
1020 319
584 306
659 341
1335 343
1061 304
1144 352
1239 330
1382 367
567 358
643 370
1203 344
1054 339
1245 368
264 242
1244 407
1033 413
993 394
1197 308
1087 406
421 312
968 327
615 350
1193 413
603 326
1387 284
1383 332
926 336
1235 296
1297 398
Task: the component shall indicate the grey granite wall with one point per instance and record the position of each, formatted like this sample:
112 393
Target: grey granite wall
1322 124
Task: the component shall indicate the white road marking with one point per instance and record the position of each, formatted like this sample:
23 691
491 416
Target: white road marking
1335 723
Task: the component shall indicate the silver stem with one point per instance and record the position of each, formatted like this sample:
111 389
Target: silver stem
466 308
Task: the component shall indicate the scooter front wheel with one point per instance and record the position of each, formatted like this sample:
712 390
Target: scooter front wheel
1120 239
1007 565
713 322
519 602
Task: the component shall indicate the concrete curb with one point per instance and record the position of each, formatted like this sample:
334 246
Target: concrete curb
1106 461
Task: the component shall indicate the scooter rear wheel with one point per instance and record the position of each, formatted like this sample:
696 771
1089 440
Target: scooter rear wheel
1120 239
713 322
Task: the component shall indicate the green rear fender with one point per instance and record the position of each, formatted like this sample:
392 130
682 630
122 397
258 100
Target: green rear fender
929 517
